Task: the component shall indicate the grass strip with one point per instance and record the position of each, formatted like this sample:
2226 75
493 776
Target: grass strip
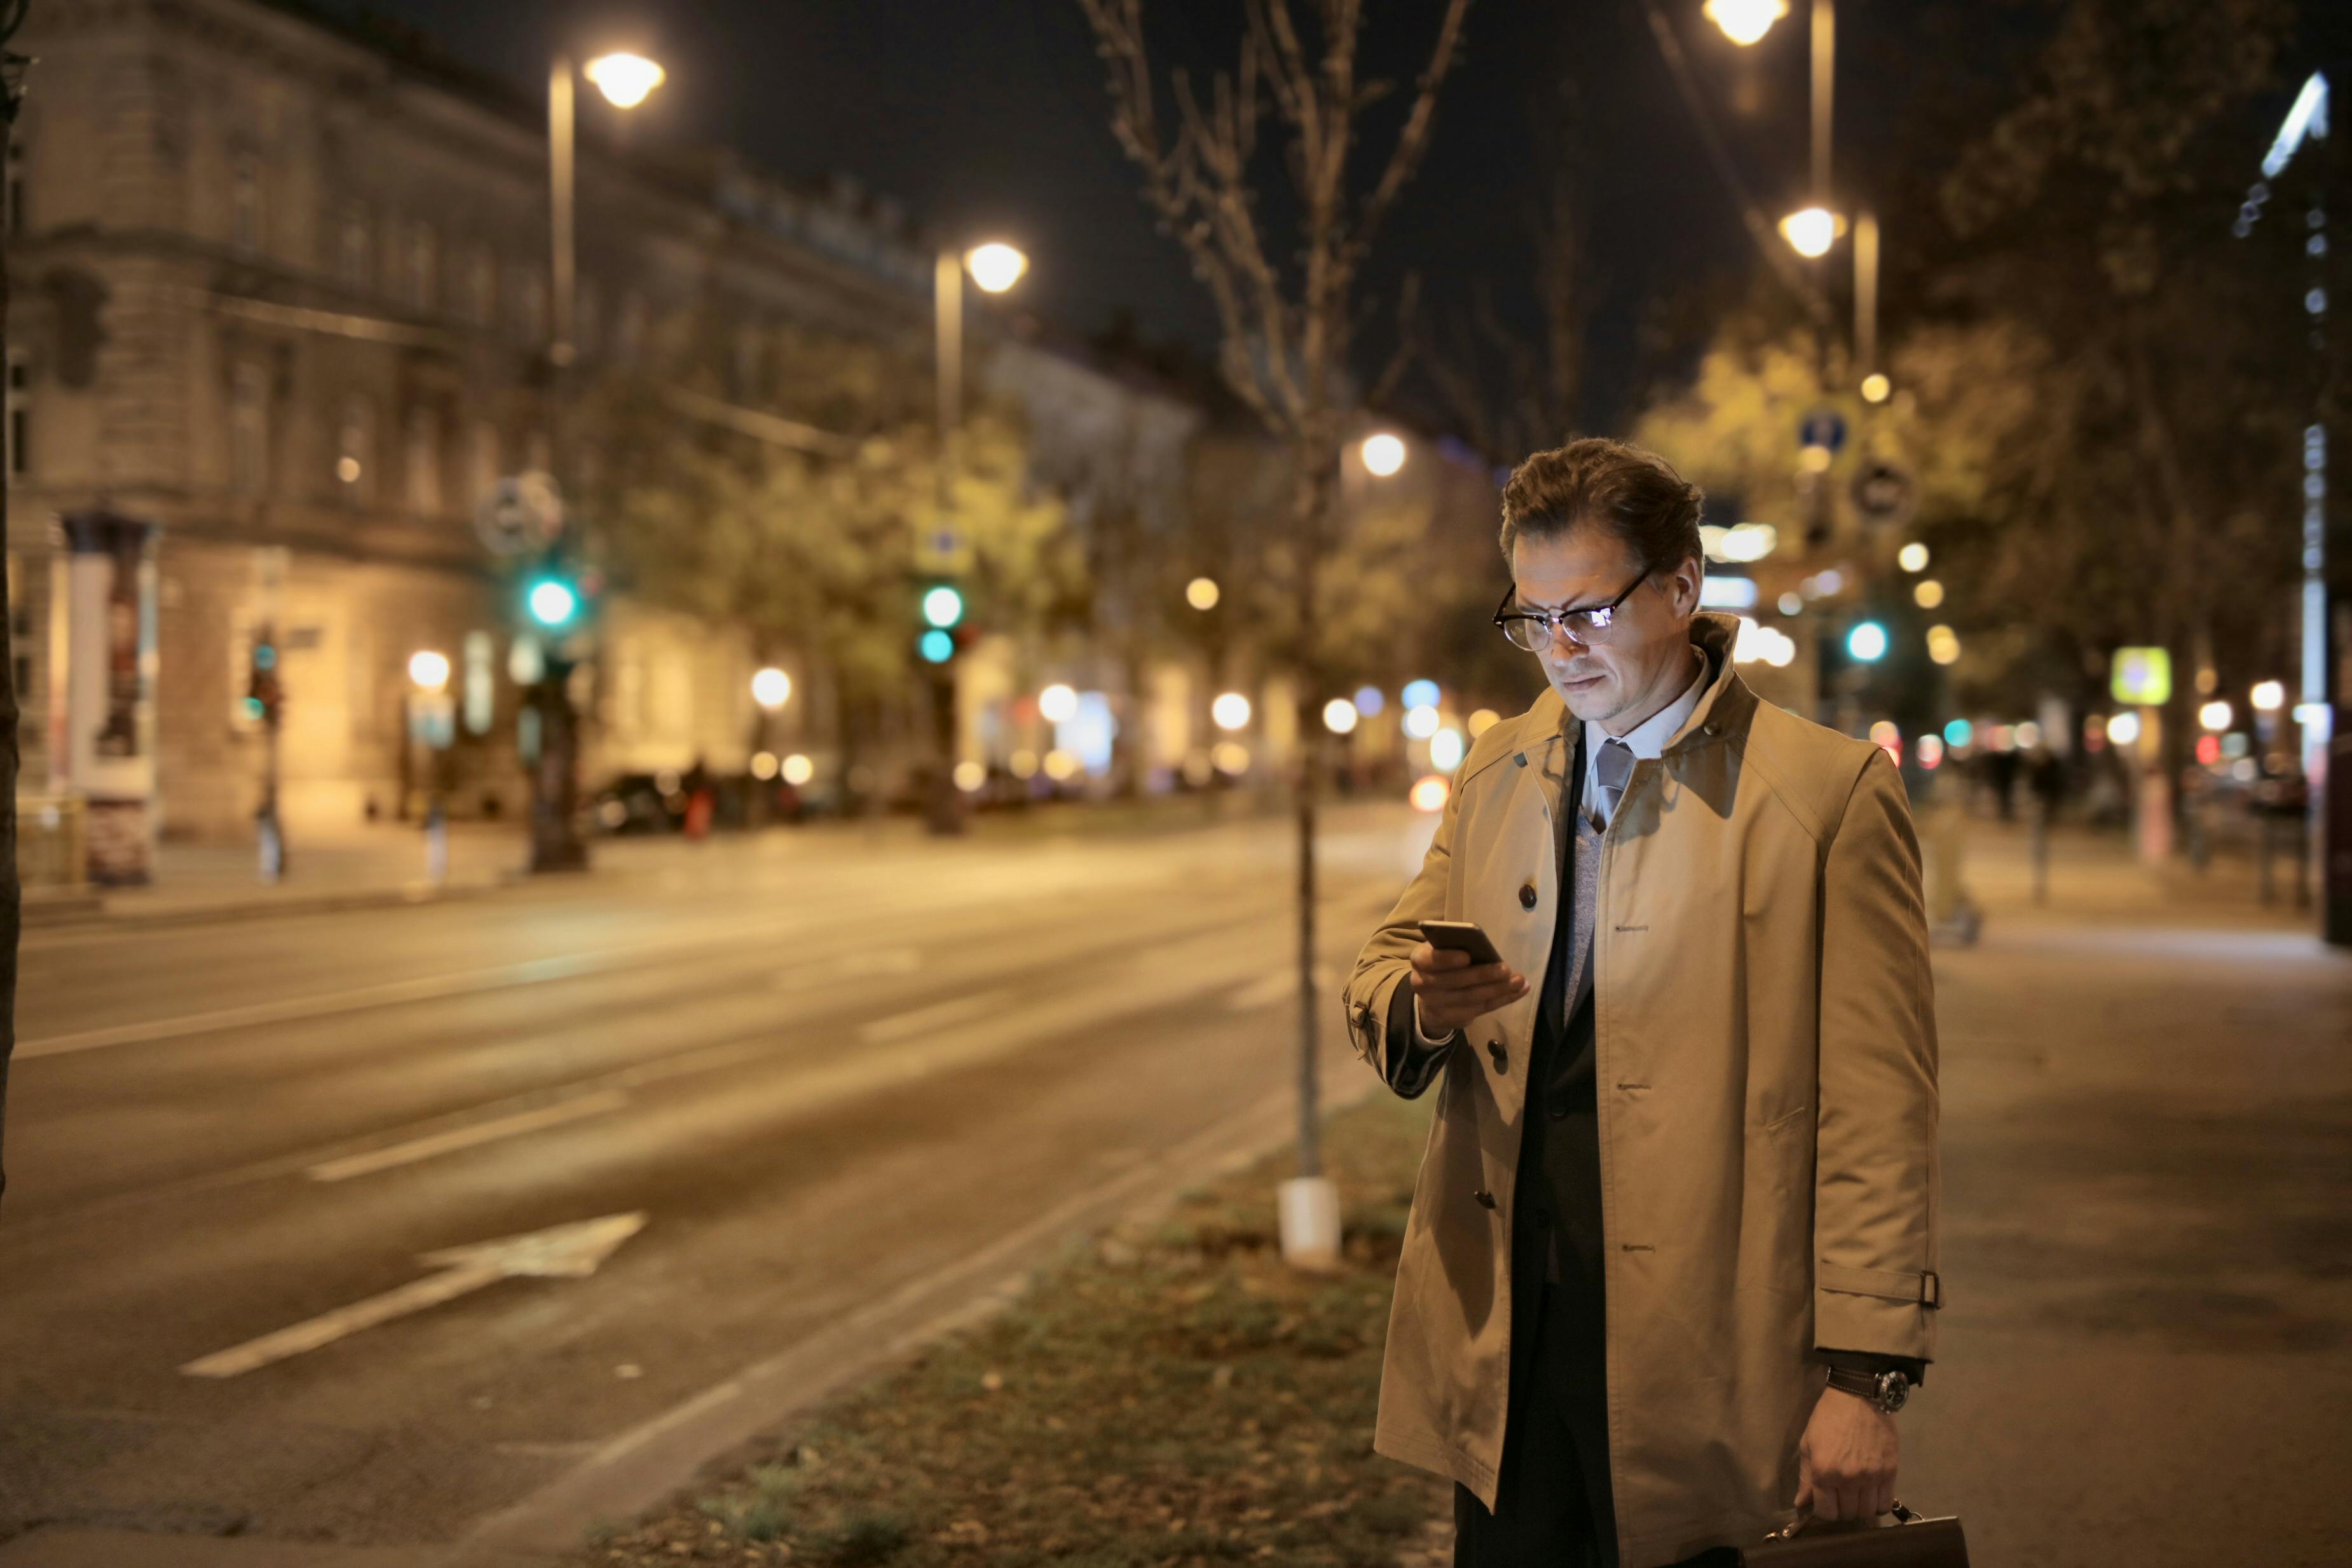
1167 1394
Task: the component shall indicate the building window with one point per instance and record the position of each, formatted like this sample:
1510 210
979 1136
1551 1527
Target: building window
481 683
482 287
248 431
20 415
629 331
422 267
355 248
355 451
423 463
587 324
245 206
17 220
483 456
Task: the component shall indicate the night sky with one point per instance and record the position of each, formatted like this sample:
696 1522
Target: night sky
989 118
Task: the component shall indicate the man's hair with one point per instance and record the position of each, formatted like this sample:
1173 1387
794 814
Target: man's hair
1634 495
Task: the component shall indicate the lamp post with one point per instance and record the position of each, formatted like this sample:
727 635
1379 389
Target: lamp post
995 267
624 80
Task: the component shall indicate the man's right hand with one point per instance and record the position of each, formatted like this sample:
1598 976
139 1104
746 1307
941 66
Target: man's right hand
1451 990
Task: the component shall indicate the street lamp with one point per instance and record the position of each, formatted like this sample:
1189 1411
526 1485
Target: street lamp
1202 593
1384 454
1810 231
429 670
626 81
771 688
1745 22
995 267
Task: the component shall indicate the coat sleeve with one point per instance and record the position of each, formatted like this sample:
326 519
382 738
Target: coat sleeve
1877 1186
1378 994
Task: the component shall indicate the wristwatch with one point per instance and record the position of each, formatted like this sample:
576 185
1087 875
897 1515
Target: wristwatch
1887 1389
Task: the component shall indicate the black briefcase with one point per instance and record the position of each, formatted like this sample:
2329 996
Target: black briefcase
1910 1543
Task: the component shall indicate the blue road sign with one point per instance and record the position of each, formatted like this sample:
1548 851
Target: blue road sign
1822 427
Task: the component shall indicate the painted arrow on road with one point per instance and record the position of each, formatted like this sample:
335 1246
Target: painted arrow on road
560 1252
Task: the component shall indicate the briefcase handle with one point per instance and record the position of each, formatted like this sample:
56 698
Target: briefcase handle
1789 1530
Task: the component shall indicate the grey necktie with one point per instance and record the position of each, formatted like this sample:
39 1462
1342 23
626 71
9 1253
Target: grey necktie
1612 768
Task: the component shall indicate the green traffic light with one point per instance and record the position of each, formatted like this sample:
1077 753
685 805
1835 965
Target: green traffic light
937 646
552 604
943 607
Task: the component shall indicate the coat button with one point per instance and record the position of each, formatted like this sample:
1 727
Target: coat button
1521 757
1486 1199
1502 1058
1527 897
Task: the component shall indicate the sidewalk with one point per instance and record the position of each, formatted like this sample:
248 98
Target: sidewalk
367 867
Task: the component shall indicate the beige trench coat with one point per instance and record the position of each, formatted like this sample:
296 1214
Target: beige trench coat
1766 1073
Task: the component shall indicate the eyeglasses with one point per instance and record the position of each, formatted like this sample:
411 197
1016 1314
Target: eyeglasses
1534 630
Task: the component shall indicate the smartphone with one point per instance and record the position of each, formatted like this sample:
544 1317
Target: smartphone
1462 936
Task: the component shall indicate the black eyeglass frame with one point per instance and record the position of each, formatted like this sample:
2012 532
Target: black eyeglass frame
1596 616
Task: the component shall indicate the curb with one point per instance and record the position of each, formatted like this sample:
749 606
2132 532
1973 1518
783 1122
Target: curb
90 910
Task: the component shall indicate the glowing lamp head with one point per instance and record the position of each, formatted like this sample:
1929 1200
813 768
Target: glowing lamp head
626 81
2215 716
1811 231
1912 557
1231 711
943 607
1058 703
2269 696
1877 388
428 670
771 688
1745 22
996 266
1201 593
1867 642
1340 715
552 604
1384 454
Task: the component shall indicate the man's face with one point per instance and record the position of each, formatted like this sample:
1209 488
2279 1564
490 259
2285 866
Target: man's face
1643 661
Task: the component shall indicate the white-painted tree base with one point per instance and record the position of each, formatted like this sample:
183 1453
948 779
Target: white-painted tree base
1309 1213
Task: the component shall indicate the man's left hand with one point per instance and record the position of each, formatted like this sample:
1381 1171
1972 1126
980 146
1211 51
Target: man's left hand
1845 1462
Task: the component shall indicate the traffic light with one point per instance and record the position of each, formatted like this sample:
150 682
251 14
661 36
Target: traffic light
265 693
942 613
552 601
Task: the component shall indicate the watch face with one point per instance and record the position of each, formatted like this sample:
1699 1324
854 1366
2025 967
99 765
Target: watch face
1893 1388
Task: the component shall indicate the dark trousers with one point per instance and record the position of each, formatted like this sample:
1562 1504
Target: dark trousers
1552 1506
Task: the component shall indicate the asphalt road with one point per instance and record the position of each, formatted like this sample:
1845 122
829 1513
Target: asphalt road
821 1068
827 1071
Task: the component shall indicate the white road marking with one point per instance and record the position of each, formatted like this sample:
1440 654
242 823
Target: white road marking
922 1020
456 1139
562 1251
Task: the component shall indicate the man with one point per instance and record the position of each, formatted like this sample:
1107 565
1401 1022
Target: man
1671 1266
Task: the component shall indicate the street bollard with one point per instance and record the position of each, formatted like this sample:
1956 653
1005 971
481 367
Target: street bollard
273 845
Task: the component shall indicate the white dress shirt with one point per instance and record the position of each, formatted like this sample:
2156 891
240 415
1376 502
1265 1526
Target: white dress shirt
1645 740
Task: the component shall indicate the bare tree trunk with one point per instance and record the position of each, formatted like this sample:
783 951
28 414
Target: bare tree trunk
1313 512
